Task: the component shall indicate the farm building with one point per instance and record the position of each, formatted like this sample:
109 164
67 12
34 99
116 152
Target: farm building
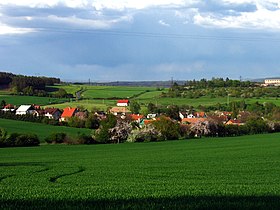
123 103
25 109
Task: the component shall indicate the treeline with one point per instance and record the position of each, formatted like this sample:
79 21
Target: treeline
218 82
220 88
27 85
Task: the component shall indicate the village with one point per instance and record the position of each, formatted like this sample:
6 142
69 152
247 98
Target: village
122 112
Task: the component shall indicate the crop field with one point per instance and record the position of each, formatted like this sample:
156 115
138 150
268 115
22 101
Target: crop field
115 92
210 173
88 104
20 100
42 130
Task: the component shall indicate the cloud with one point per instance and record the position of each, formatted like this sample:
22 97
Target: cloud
161 22
4 29
261 19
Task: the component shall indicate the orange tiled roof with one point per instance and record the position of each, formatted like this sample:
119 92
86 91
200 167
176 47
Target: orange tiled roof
136 116
193 120
68 112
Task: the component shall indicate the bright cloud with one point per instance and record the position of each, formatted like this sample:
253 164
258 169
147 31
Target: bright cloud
163 23
262 18
4 29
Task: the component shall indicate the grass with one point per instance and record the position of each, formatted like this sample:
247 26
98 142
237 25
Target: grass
20 100
108 92
42 130
218 173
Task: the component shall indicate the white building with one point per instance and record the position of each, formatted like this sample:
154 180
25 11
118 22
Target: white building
123 103
275 82
25 109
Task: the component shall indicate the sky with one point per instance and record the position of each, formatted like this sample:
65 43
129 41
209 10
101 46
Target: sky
132 40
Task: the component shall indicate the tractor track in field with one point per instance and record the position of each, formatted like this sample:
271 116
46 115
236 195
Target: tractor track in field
55 178
2 178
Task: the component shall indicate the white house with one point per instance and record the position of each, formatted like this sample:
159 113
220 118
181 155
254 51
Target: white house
52 113
25 109
123 103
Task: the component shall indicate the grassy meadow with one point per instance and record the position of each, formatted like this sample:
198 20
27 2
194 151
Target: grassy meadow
20 100
101 97
42 130
211 173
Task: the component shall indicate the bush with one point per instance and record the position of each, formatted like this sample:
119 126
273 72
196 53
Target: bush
27 140
85 139
19 140
256 126
56 138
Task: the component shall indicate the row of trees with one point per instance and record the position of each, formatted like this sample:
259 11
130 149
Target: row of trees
218 82
218 87
17 139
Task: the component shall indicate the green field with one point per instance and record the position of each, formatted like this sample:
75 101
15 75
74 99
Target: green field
115 92
218 173
21 100
42 130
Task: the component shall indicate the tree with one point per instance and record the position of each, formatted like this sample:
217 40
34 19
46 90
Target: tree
173 112
152 108
169 129
135 107
92 122
3 137
120 132
3 103
61 93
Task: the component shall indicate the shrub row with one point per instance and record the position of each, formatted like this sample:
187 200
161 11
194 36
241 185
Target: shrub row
17 139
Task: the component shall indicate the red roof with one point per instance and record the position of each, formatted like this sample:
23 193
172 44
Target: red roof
68 112
234 122
9 106
136 116
193 120
123 101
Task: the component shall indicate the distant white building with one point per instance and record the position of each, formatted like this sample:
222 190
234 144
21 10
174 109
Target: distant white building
25 109
275 82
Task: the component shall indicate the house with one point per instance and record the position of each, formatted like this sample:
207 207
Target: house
119 111
136 117
151 116
25 109
123 103
200 114
67 113
193 120
234 122
52 113
9 108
